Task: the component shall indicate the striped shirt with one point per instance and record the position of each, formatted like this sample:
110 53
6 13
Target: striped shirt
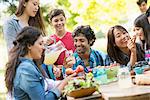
97 58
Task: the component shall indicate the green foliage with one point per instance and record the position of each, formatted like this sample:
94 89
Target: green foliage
12 6
64 3
11 9
100 14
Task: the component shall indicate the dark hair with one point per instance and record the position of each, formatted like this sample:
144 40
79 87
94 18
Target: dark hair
87 32
25 38
139 2
36 21
55 12
113 51
137 21
142 21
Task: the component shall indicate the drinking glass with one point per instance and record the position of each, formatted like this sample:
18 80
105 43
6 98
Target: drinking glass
124 78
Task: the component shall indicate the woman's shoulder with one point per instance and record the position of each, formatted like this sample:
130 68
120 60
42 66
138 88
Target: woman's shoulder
11 19
27 66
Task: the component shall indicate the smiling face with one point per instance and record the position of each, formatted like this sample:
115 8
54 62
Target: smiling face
121 38
31 7
36 50
58 22
143 7
139 32
81 44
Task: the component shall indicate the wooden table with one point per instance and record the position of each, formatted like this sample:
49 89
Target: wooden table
135 92
95 96
113 92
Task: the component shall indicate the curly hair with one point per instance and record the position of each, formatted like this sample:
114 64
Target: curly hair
87 32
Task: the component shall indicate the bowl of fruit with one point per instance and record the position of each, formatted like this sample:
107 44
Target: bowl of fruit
81 87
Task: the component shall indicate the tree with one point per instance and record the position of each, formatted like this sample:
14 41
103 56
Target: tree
100 14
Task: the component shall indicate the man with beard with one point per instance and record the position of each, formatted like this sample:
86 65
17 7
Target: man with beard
84 38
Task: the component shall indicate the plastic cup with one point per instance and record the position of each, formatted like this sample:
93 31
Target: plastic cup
138 70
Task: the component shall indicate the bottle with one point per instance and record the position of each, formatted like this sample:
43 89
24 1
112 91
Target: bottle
124 78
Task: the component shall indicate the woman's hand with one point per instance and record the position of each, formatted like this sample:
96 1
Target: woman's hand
65 81
48 40
56 71
131 44
69 60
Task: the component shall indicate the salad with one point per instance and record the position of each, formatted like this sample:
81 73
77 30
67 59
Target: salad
80 83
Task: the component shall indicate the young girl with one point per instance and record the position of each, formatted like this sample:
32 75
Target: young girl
28 14
142 29
121 48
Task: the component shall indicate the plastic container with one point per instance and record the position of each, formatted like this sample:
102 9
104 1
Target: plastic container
124 78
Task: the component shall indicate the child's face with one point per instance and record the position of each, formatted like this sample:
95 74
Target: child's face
31 7
143 7
139 32
58 22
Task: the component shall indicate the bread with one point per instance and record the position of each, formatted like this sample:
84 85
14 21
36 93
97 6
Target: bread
143 79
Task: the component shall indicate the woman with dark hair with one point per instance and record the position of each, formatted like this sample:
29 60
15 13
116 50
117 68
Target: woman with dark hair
121 48
139 31
28 14
142 29
24 78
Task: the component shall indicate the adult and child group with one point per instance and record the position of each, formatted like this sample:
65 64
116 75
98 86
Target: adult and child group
27 77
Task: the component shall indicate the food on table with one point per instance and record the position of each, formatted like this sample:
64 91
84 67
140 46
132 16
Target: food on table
112 72
140 67
78 70
78 84
143 79
69 71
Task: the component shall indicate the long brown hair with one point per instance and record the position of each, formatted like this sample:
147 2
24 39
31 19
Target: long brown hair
25 38
113 51
36 21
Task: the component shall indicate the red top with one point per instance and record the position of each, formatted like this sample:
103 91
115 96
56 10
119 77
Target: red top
67 39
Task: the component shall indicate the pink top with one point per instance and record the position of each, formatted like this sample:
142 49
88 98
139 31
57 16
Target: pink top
67 39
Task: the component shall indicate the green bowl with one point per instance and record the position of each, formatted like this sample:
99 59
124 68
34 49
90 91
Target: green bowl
112 72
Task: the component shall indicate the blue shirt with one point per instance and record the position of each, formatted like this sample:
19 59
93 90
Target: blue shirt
29 83
97 58
11 28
